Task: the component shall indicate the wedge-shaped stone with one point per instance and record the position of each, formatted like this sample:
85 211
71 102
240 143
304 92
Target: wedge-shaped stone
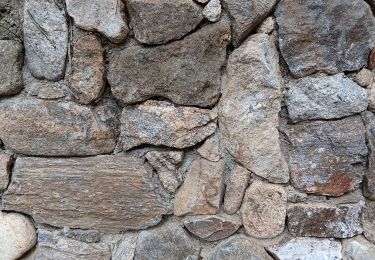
105 193
162 123
249 109
327 157
50 128
186 71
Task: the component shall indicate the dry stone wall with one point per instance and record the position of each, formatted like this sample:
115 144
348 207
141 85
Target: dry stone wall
187 129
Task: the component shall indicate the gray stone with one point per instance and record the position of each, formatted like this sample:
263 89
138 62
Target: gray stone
45 32
326 97
169 241
306 248
183 71
371 96
17 235
162 123
11 53
51 128
104 16
210 150
157 22
104 193
122 246
369 180
88 236
238 247
368 221
267 26
249 109
323 36
5 168
245 15
294 195
357 248
11 20
327 157
212 11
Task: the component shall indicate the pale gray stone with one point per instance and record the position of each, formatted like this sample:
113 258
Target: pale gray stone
11 20
357 248
5 168
368 220
212 11
122 245
11 53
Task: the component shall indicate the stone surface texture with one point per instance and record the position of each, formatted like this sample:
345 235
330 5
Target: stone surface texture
369 180
358 248
212 10
11 61
368 221
5 168
11 20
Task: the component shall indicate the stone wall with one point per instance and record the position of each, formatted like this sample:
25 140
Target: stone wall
186 130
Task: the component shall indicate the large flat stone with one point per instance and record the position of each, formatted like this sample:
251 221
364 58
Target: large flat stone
11 53
187 71
105 193
249 109
51 128
324 36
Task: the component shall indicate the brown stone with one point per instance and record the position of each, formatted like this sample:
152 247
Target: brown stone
263 210
105 193
236 185
210 149
201 192
5 165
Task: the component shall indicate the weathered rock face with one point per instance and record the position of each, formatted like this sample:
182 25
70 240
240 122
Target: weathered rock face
236 185
186 71
17 235
306 248
52 247
263 210
10 19
157 22
368 220
45 38
166 242
212 10
122 246
210 149
249 109
313 35
212 228
162 123
201 192
238 247
369 181
104 16
327 157
246 15
88 68
325 219
51 128
10 67
358 248
324 98
5 165
364 77
119 193
88 236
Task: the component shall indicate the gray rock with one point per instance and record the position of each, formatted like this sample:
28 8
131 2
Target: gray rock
183 71
169 241
357 248
104 16
294 195
212 11
88 236
267 26
249 109
5 168
162 123
306 248
11 20
323 36
11 53
368 220
46 38
326 97
157 22
210 150
238 247
245 15
124 248
369 180
51 128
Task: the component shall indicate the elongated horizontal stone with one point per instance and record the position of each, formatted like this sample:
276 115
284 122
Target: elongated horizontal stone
105 193
51 128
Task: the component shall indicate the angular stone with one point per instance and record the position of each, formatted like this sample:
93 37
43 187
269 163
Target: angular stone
45 33
88 68
326 97
263 210
51 128
10 67
368 221
210 149
157 22
183 71
5 165
10 20
105 193
169 241
316 36
267 26
245 15
325 219
369 180
104 16
17 235
364 77
212 11
166 164
201 192
327 157
294 195
249 108
52 247
306 248
212 228
162 123
357 248
122 246
238 247
236 185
